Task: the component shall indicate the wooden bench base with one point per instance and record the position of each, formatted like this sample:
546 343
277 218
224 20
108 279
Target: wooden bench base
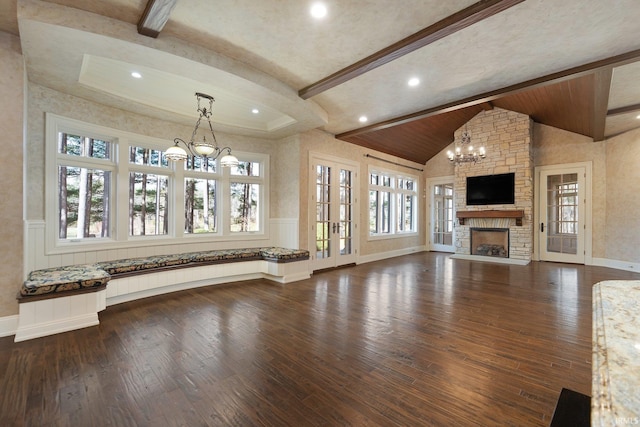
40 316
67 312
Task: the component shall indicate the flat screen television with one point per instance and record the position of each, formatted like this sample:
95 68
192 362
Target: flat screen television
491 189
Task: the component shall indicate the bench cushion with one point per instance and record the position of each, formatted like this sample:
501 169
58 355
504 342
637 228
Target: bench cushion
61 279
75 277
283 255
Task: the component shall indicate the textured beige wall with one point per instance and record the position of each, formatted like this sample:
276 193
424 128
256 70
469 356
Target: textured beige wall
439 165
285 176
554 146
321 142
11 190
622 231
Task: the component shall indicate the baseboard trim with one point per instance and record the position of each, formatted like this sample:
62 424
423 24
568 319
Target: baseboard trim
8 325
495 260
618 265
57 326
362 259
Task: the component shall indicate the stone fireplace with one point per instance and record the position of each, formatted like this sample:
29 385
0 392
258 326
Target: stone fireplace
506 135
489 242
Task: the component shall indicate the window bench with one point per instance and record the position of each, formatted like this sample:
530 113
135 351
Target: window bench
61 299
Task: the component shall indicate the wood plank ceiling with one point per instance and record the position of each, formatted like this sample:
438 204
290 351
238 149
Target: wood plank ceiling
574 100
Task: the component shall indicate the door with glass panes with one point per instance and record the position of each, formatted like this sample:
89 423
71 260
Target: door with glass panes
441 227
562 215
333 215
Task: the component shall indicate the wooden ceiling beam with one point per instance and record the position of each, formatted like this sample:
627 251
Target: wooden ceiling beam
155 16
443 28
571 73
601 90
487 106
624 110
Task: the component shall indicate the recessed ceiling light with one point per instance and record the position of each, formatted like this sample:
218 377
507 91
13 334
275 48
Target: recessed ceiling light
638 116
363 119
255 111
318 10
136 75
414 81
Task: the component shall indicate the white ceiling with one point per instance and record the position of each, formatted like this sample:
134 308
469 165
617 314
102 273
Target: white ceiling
260 54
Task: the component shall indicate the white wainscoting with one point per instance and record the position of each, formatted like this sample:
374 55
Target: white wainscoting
284 232
8 325
134 287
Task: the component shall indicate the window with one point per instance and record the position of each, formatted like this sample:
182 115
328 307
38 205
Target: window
148 192
84 169
245 197
200 196
104 185
392 204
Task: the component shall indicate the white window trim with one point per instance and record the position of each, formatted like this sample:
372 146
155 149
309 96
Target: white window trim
119 232
393 189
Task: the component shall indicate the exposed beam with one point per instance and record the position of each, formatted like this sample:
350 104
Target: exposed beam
601 89
487 106
155 15
568 74
447 26
624 110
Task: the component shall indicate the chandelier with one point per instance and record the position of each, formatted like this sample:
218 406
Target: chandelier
201 148
464 151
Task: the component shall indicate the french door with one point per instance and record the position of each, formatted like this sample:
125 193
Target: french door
441 225
333 212
562 228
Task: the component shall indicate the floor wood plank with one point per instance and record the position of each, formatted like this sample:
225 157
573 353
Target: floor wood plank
414 340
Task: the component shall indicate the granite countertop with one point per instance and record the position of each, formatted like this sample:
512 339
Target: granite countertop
616 353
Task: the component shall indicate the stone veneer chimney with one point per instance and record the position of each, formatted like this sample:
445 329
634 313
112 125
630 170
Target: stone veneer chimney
507 137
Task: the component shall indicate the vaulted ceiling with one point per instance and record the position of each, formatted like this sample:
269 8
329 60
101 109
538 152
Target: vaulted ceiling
571 64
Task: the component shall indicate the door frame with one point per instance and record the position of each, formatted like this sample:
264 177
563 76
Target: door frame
316 157
430 213
540 190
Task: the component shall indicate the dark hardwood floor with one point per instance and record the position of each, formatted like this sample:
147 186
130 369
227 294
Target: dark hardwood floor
410 341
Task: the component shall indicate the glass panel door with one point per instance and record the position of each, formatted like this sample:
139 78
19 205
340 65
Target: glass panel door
442 217
346 207
323 212
334 204
562 226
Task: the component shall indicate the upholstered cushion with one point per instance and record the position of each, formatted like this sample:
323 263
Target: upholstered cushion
227 255
73 277
283 254
129 265
61 279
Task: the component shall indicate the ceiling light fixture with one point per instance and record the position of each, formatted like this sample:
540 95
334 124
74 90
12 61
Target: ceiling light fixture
318 10
414 81
203 148
255 111
363 119
136 75
464 152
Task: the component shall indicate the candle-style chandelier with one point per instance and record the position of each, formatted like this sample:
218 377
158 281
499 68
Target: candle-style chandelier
464 151
201 148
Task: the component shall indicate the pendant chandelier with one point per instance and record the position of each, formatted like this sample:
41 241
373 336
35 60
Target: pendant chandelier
201 148
464 151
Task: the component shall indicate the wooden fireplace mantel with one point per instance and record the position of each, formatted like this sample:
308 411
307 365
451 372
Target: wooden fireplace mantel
517 214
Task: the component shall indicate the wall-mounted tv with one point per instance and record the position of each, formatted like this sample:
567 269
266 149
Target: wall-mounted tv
491 189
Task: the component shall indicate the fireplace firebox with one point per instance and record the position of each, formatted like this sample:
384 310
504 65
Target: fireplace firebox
492 242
